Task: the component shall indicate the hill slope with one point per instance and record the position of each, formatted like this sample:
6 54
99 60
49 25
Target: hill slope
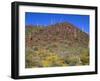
64 41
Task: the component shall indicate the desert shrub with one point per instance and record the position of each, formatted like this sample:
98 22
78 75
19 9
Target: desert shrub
53 60
35 48
72 60
84 57
28 61
32 60
43 58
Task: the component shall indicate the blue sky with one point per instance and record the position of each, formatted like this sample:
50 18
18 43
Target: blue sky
80 21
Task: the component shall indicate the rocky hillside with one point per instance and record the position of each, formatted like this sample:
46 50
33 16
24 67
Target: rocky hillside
61 39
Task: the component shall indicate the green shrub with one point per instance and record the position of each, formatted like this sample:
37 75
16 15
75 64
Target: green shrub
72 60
84 57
